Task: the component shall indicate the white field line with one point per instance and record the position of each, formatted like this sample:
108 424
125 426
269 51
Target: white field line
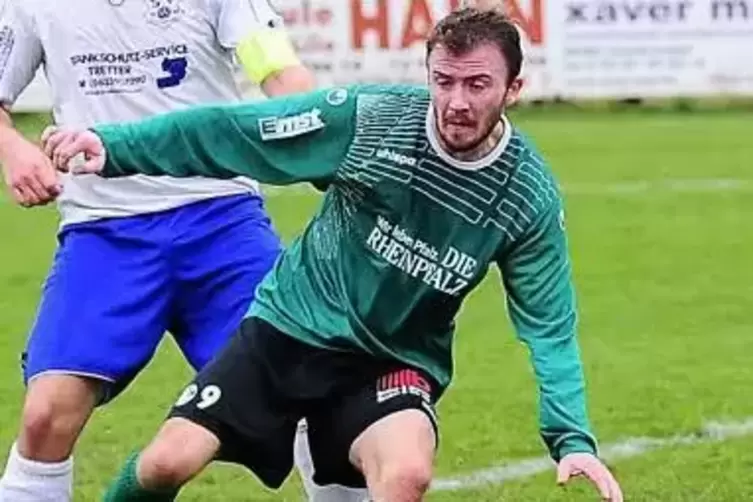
631 447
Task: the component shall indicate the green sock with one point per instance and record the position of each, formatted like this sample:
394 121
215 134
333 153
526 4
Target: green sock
126 487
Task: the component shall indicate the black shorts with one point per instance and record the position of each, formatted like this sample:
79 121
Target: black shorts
254 393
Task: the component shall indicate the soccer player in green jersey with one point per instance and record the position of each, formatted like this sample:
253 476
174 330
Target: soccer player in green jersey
353 328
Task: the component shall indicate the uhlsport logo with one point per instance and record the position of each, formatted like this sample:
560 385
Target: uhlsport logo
397 158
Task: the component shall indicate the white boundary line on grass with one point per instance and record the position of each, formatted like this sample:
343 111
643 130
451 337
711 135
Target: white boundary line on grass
711 432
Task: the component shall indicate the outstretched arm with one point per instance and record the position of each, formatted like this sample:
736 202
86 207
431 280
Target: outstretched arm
279 141
541 303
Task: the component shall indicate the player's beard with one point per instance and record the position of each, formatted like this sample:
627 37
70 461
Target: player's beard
483 142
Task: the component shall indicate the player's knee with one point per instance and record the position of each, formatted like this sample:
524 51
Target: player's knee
37 419
46 434
410 476
53 417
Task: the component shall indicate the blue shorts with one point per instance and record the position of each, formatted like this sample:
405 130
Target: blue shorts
117 285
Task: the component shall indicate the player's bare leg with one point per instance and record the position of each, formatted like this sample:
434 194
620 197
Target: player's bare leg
55 411
396 455
180 451
40 464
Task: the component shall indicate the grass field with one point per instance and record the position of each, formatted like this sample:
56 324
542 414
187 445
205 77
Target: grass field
659 214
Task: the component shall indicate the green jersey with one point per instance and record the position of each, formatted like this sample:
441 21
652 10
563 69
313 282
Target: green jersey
403 235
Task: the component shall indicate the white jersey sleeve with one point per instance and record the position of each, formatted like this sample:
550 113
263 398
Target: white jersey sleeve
20 49
237 19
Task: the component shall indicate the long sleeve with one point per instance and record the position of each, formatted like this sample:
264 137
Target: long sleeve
279 141
541 304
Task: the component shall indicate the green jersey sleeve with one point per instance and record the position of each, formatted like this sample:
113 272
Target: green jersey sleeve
541 304
279 141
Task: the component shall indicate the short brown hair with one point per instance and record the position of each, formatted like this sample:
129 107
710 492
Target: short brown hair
465 29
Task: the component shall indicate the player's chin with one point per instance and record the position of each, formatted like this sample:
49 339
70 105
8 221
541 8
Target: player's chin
462 143
460 138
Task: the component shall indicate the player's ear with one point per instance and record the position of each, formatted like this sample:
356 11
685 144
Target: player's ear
513 92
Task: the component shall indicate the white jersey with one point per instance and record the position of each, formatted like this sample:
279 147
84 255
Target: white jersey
121 60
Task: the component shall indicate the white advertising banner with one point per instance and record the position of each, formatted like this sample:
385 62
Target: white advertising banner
577 49
659 48
383 40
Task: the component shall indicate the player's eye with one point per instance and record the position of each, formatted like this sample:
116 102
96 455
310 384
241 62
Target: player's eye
478 86
442 81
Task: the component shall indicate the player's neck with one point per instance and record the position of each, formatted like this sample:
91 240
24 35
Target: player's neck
483 149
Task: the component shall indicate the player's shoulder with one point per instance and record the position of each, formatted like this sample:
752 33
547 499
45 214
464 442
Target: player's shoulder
392 92
215 6
378 101
43 11
13 8
206 9
531 174
404 90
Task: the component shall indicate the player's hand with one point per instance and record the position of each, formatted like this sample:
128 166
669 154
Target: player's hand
62 145
585 464
29 175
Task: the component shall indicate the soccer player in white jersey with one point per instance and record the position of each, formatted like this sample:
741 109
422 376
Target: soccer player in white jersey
141 255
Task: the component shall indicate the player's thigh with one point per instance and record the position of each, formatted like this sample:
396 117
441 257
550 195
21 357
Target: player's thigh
226 251
397 448
237 398
388 423
180 450
103 307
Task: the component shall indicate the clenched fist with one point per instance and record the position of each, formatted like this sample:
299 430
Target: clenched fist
62 145
29 175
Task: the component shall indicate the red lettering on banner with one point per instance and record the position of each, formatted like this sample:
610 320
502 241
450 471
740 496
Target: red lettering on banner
420 16
531 21
362 23
418 23
306 15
